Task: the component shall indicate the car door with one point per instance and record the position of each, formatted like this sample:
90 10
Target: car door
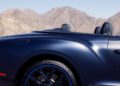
114 52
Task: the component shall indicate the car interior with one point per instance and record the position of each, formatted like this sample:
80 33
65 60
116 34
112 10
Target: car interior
106 29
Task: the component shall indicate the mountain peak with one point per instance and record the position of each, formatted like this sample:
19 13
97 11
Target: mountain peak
66 8
25 20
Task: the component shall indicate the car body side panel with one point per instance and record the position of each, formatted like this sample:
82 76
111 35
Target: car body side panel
89 57
114 53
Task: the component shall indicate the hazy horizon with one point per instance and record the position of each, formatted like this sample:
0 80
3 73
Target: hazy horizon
95 8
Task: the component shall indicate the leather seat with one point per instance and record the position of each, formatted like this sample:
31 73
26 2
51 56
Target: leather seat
66 27
97 30
106 29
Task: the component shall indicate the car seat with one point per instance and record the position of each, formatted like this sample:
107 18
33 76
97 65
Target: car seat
97 30
106 28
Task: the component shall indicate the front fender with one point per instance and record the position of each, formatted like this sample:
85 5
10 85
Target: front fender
88 64
91 67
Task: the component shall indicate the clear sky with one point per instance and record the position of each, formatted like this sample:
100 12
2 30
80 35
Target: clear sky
95 8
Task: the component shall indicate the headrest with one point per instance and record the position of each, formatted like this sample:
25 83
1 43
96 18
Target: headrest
66 27
107 28
97 30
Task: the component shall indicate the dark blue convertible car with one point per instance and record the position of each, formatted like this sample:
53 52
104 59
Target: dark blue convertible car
59 57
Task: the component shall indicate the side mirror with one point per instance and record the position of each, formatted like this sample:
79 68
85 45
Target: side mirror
106 28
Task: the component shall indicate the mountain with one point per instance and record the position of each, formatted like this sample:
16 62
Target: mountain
115 20
19 21
78 20
16 21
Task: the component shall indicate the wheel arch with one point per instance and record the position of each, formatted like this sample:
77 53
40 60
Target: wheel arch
47 56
